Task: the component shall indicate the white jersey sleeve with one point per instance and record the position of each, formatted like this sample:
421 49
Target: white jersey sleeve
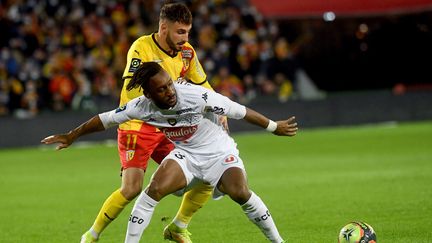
129 111
222 105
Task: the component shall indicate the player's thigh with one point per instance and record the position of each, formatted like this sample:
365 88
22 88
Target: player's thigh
168 178
163 148
183 168
135 147
229 167
233 181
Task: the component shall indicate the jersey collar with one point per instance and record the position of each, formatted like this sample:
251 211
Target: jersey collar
157 44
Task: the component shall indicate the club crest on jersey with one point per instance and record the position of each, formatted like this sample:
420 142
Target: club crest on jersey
120 109
130 154
230 159
135 62
172 121
187 54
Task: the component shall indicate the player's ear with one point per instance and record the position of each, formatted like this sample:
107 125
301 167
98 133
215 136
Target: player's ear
163 26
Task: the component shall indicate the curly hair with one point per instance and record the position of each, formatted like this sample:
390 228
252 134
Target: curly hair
143 74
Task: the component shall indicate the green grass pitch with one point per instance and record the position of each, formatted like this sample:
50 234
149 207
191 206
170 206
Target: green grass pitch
313 184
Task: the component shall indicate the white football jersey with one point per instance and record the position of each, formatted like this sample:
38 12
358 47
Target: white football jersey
192 124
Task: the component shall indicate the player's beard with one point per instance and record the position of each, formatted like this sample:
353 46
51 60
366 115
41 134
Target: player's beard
174 47
165 103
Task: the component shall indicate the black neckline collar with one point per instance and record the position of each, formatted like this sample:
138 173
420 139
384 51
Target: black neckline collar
157 44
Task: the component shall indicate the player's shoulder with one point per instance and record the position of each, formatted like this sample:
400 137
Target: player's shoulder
188 46
190 90
142 41
144 38
138 101
188 87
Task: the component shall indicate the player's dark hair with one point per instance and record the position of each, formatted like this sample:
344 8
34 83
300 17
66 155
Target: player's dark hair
143 74
176 12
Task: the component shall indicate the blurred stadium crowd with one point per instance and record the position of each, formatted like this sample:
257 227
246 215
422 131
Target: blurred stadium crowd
63 55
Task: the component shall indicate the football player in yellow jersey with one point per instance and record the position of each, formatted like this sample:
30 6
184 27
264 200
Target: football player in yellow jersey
138 141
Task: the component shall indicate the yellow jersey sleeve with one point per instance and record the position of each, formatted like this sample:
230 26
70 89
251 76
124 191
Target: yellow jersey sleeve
193 69
134 59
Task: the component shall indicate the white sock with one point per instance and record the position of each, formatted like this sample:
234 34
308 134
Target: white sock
140 217
94 233
258 213
180 224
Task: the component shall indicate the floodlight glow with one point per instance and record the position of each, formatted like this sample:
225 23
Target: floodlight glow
329 16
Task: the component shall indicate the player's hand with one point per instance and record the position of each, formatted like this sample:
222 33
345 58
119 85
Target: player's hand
223 120
286 127
63 139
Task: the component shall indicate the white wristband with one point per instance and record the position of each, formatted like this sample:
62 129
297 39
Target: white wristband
271 127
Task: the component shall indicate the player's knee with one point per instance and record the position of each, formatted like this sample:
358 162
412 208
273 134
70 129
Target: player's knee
240 194
156 190
131 191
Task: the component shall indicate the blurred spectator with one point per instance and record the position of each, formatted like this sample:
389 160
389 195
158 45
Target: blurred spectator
282 68
4 95
82 99
288 75
228 84
62 89
30 99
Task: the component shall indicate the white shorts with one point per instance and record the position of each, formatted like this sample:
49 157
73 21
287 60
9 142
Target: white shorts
205 169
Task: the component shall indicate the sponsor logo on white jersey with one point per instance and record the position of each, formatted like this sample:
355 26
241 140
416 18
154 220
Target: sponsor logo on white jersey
179 133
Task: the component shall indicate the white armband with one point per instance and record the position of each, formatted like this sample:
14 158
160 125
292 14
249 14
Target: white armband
271 127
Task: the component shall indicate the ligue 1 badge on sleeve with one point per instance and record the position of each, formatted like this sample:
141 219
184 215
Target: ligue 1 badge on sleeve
135 62
120 109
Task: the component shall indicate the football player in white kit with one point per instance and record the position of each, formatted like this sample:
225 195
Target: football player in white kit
188 116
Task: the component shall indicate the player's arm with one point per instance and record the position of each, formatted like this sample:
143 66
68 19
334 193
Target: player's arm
222 105
135 56
196 74
94 124
282 128
97 123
